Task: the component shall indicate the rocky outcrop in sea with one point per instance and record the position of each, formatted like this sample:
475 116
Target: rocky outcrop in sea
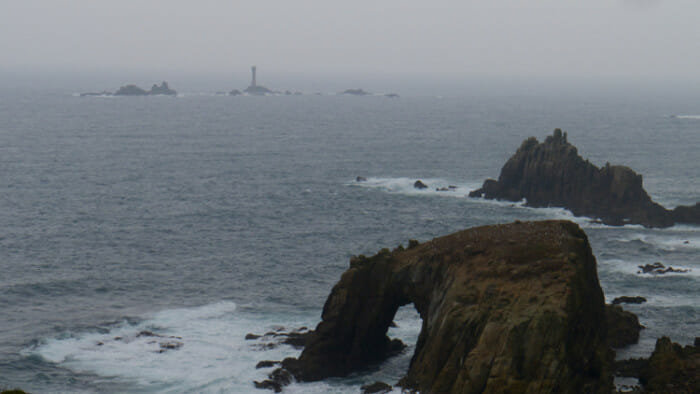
505 308
671 368
133 90
553 174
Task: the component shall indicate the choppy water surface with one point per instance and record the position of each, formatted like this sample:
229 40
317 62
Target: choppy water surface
206 218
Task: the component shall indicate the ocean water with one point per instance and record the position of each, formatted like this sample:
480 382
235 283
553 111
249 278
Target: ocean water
203 218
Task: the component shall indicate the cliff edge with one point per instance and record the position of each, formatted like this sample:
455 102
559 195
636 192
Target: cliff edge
552 174
505 308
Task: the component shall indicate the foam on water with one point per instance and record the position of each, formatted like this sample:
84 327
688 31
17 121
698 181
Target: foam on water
668 240
214 356
632 268
214 351
403 185
461 189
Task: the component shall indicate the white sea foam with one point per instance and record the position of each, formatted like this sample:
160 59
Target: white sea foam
632 268
461 189
669 240
214 357
403 185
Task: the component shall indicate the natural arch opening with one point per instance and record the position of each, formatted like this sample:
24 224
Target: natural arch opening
406 327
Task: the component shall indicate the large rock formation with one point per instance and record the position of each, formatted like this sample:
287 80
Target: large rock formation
505 308
552 174
672 368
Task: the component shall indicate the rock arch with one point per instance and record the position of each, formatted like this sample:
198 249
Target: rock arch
509 307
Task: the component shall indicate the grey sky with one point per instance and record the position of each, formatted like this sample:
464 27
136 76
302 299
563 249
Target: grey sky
593 38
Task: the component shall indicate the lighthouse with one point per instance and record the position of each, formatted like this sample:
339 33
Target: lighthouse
254 88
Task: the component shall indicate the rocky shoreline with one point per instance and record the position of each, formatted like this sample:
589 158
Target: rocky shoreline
553 174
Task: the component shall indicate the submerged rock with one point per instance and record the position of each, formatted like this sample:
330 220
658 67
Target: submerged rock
376 387
505 308
552 174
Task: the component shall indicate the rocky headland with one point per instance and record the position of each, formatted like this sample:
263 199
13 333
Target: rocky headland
505 308
553 174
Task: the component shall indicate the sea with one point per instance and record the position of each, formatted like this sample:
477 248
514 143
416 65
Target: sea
142 238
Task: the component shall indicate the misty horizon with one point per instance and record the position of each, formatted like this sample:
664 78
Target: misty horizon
631 41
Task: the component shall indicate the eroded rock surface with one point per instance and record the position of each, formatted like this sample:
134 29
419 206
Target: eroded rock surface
552 174
672 368
505 308
623 326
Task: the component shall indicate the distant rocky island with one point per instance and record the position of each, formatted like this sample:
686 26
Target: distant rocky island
505 308
356 92
552 174
133 90
361 92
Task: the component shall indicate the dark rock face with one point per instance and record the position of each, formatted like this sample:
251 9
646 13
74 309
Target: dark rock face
266 364
420 185
278 379
687 214
553 174
623 327
672 368
629 300
270 340
506 308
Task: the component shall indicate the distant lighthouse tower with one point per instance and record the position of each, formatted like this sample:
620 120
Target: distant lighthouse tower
254 89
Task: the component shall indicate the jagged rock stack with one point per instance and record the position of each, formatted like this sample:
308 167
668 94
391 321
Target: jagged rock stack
552 174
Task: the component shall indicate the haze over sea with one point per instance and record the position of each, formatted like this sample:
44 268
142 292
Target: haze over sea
207 217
